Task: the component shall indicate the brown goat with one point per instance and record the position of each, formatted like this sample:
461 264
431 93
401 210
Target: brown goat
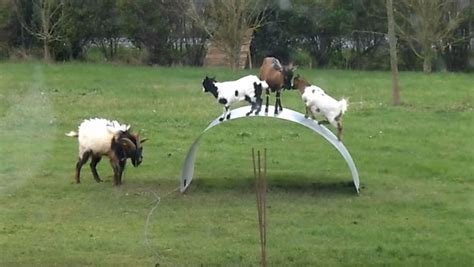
277 77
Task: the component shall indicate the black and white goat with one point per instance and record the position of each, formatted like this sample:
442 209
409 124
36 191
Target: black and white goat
101 137
247 88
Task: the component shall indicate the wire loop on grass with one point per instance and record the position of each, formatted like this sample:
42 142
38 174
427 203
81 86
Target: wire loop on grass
147 222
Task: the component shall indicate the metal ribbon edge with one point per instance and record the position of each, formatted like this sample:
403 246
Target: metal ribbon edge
286 114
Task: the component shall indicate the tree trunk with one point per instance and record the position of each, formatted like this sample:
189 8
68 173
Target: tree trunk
392 39
427 64
46 54
234 57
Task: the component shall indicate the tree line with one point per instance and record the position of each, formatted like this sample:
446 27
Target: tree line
349 34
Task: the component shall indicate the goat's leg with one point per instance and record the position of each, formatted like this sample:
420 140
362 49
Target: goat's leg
306 114
267 98
313 116
277 102
94 161
259 105
339 130
338 123
309 112
82 160
252 108
122 168
115 162
223 114
227 108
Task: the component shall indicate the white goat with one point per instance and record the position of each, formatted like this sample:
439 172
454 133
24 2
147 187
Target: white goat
247 88
319 102
99 137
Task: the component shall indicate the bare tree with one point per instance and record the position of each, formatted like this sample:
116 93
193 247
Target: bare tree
392 39
227 22
426 24
48 18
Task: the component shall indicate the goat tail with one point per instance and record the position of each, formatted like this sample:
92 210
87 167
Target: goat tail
343 104
72 134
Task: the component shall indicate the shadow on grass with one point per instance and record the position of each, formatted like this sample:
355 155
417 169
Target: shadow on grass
277 183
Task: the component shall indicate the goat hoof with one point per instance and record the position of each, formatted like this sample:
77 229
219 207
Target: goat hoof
228 117
221 119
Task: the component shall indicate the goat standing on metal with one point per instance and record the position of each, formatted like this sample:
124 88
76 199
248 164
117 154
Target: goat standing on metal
248 88
277 77
318 102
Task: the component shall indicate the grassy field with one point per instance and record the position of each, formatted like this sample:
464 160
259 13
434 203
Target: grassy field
415 162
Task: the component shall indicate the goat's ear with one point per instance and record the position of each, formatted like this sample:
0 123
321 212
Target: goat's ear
143 140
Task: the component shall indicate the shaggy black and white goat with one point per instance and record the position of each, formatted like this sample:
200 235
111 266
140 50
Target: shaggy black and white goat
101 137
247 88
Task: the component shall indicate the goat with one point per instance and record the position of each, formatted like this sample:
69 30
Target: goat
247 88
277 77
99 137
318 102
300 84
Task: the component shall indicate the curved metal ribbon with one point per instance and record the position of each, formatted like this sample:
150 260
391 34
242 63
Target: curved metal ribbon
286 114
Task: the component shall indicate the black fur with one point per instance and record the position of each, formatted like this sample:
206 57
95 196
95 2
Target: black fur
257 105
287 78
209 86
121 151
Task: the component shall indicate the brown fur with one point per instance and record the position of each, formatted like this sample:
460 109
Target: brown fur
271 75
274 73
300 83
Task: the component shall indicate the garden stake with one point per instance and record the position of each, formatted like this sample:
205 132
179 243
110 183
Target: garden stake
260 190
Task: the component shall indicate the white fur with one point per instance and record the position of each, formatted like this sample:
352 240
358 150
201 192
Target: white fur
96 135
244 86
320 103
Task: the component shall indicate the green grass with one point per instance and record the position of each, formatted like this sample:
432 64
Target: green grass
415 162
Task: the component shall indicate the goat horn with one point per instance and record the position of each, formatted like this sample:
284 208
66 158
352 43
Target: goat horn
128 143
